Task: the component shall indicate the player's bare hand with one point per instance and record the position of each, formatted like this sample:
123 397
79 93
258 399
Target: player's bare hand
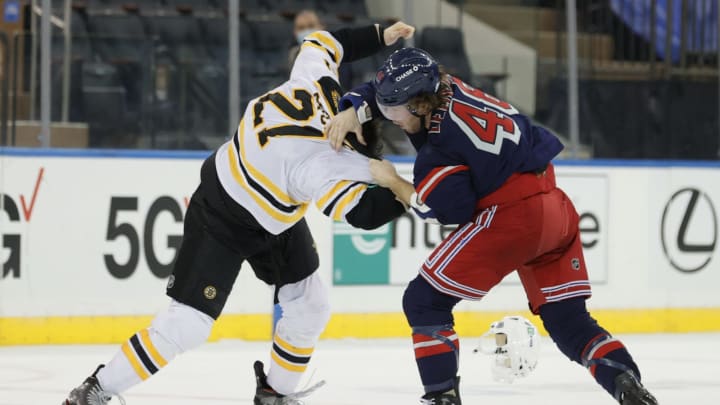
383 172
397 31
339 126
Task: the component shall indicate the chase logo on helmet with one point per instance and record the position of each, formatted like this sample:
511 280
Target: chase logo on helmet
390 87
407 73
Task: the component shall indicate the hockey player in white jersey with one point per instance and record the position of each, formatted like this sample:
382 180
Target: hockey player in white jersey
249 206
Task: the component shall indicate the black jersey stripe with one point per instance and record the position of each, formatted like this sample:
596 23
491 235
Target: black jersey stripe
288 130
289 209
328 210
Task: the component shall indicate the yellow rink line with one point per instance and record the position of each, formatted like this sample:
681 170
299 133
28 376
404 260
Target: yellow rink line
116 329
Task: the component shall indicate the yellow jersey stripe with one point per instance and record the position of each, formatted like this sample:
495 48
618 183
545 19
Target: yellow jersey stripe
332 193
301 351
340 207
259 188
134 362
259 177
260 201
150 347
287 365
329 42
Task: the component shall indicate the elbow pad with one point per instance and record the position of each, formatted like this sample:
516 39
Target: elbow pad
376 207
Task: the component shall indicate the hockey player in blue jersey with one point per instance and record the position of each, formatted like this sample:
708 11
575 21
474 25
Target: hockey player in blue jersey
483 165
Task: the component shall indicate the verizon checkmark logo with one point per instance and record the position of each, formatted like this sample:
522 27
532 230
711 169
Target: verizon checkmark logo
28 209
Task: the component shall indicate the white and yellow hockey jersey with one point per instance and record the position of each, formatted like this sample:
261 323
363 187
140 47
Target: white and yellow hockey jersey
280 159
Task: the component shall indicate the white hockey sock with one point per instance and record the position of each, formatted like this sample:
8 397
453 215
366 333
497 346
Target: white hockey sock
144 354
288 363
173 331
305 312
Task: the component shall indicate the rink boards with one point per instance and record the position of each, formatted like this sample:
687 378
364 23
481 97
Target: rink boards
87 241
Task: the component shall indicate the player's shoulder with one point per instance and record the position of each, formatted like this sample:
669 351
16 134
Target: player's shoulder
479 97
326 42
447 137
322 36
299 82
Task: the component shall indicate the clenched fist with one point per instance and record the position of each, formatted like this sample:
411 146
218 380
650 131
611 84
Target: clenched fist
397 31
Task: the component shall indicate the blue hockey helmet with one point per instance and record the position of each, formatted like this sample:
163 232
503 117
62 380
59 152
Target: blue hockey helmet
406 73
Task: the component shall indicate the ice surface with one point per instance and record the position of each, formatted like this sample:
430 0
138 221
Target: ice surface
679 369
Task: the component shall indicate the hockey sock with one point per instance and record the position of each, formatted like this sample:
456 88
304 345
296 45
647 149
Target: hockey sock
582 340
305 312
606 357
288 363
436 354
173 331
429 313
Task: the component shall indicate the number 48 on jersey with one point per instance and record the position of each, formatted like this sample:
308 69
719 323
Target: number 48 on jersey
487 121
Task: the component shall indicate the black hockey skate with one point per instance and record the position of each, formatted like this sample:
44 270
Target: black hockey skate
90 393
449 397
266 395
629 390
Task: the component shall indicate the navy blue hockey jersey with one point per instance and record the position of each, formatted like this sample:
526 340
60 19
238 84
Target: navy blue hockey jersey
474 144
